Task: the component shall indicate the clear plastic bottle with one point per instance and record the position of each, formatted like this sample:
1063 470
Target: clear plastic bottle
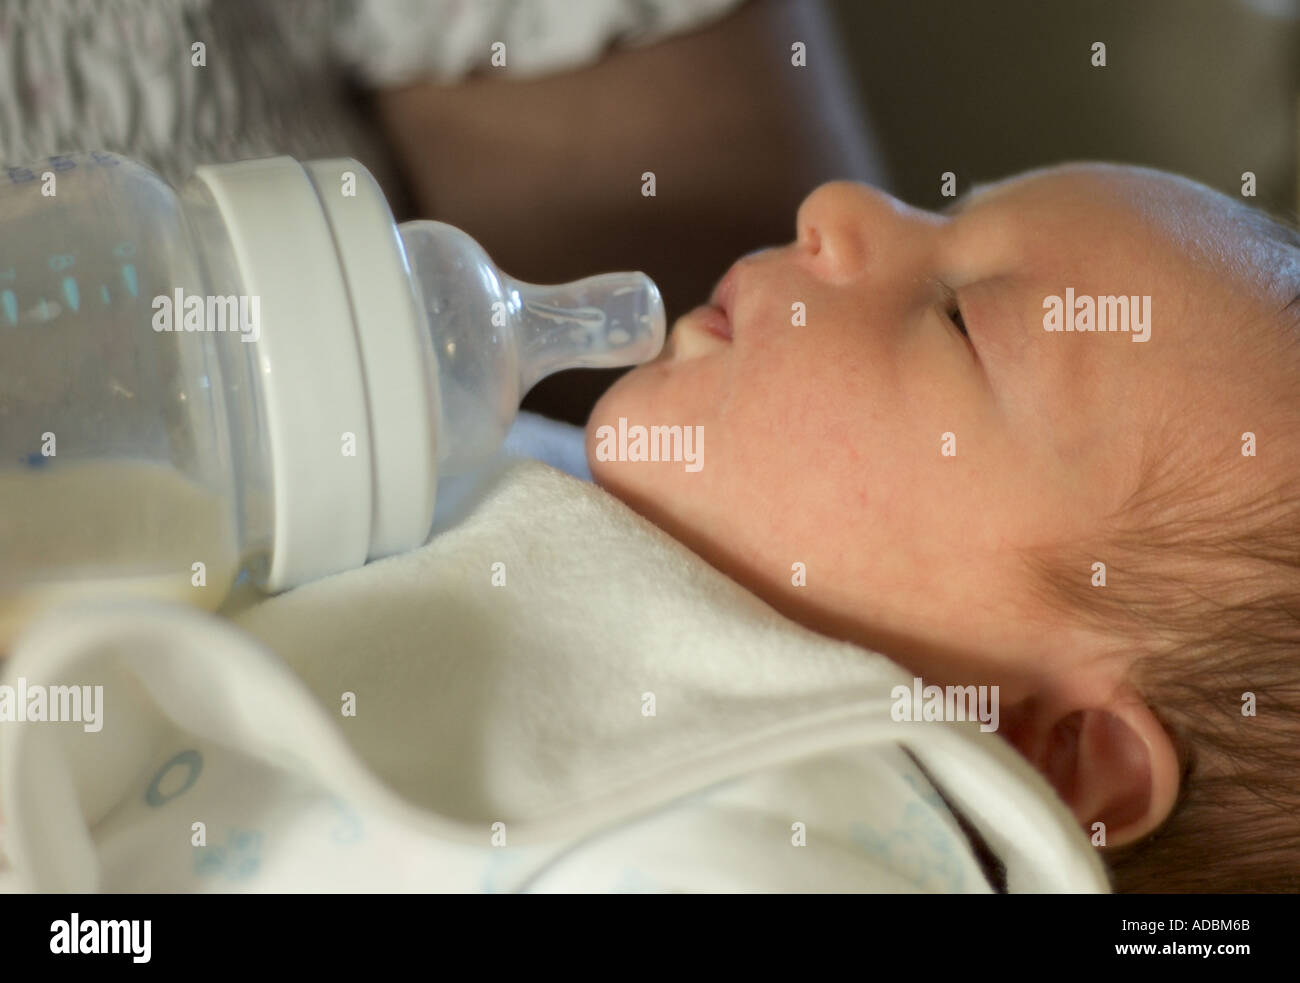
259 372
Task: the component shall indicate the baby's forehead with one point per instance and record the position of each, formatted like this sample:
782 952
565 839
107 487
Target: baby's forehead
1109 189
1137 215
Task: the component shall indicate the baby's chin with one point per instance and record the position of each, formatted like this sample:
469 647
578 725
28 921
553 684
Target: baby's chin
679 389
642 398
628 397
610 475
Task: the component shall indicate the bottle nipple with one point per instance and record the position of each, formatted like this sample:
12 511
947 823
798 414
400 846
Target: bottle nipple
494 337
600 322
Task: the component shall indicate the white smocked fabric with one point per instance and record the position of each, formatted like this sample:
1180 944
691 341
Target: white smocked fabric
393 40
120 75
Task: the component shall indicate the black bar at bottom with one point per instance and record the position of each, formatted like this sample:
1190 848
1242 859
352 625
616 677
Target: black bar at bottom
332 932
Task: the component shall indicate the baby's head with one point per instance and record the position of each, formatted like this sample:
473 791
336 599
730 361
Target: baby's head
891 412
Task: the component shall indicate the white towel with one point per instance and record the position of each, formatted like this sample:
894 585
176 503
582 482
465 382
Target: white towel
502 738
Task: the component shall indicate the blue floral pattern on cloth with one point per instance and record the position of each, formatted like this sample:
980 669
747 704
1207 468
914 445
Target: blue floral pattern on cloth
920 848
238 859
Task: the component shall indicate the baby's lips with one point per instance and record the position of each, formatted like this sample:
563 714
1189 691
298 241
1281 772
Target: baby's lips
724 294
715 320
701 331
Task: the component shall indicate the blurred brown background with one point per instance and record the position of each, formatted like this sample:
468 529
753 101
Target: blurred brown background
1207 88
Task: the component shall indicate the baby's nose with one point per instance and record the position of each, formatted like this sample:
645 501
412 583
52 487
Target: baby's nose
847 226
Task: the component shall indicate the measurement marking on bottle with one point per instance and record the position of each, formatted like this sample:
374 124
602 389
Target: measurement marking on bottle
10 304
70 293
128 275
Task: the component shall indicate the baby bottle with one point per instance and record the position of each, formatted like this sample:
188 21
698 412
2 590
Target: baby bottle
259 372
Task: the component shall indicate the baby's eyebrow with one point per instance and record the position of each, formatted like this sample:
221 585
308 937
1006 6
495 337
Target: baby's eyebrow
962 201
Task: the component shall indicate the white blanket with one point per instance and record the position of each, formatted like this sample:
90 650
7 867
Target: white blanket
615 716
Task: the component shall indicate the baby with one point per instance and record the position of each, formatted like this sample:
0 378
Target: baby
1084 498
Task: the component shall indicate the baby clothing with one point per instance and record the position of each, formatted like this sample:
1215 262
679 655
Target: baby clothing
551 695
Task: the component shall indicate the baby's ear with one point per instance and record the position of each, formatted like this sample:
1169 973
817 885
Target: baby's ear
1115 763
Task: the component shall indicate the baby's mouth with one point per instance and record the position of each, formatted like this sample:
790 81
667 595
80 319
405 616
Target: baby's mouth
708 328
699 332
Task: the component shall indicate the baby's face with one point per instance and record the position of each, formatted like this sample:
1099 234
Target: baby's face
824 435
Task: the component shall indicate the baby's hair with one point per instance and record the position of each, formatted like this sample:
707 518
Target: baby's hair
1203 586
